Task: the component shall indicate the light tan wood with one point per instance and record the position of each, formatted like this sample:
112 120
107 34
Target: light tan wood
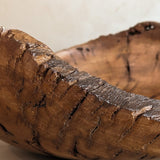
128 60
49 107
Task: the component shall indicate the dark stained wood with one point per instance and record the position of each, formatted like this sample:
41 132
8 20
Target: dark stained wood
49 107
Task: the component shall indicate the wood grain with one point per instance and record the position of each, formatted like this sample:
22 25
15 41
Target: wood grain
49 107
128 60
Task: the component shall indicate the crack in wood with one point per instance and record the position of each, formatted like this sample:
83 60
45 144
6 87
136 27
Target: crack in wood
128 41
66 91
136 115
35 142
5 130
80 49
77 106
42 72
15 142
144 156
42 102
134 87
128 69
87 49
59 78
75 151
157 56
151 141
45 72
117 154
127 131
73 59
134 31
95 128
24 48
154 139
22 87
155 95
115 112
74 110
98 108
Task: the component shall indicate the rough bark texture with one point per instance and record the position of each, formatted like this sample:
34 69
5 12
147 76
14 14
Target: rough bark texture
49 107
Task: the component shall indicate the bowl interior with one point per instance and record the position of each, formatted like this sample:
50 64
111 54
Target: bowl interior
129 60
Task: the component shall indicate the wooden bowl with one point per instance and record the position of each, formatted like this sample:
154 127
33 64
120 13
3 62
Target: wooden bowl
107 109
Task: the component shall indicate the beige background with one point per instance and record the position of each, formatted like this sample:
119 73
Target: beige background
63 23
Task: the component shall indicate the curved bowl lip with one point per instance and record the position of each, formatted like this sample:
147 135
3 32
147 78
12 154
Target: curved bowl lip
139 104
153 108
142 26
